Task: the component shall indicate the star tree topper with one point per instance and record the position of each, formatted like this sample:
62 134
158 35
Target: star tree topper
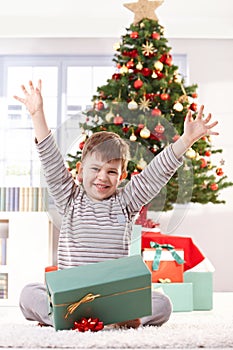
144 9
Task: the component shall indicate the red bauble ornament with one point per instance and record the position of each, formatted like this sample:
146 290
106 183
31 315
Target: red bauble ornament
134 35
214 186
159 74
118 120
146 72
164 96
193 107
81 145
116 76
151 96
203 163
139 128
219 171
138 84
155 36
130 64
207 153
156 112
125 128
159 128
194 95
99 105
134 173
166 58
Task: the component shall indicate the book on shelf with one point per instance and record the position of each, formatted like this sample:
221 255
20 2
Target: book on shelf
3 285
23 199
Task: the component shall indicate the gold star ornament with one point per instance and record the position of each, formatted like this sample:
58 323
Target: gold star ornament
144 9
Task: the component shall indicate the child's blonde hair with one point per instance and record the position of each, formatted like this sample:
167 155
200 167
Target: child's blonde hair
109 146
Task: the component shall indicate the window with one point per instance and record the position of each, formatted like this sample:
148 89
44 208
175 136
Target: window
69 82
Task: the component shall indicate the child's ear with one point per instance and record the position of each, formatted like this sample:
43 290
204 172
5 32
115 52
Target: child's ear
79 171
123 175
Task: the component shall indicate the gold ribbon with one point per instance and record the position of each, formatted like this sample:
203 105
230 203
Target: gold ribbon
86 299
164 280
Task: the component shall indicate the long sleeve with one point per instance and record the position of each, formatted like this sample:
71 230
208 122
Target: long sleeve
145 186
59 180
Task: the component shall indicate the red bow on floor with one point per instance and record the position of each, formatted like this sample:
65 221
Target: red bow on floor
88 324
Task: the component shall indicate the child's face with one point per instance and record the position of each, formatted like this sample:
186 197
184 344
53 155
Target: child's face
100 178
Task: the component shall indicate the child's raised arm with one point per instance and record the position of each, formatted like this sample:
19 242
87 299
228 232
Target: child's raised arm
194 129
34 104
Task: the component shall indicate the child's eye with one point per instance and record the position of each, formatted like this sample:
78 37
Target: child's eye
95 169
113 172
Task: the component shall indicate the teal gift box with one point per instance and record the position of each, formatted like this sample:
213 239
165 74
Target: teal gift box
202 289
114 291
180 294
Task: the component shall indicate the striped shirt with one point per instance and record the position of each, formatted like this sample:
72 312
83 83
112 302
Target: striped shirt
97 231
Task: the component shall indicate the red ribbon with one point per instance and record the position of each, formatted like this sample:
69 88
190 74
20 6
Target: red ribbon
88 324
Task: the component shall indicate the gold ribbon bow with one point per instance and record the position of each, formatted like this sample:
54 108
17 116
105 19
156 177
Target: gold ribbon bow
86 299
164 280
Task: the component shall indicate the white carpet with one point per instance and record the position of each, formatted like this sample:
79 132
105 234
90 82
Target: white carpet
190 330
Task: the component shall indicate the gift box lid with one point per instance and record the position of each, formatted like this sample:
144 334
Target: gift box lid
105 278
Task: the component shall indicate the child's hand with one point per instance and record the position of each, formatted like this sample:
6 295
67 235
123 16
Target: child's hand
196 128
33 99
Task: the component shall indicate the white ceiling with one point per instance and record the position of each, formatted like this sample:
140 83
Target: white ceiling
109 18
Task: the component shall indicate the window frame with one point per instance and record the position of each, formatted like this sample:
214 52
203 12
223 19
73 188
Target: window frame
62 62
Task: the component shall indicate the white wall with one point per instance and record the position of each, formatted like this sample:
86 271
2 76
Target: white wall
210 66
108 18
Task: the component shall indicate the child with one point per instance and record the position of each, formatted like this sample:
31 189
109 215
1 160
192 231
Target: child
97 216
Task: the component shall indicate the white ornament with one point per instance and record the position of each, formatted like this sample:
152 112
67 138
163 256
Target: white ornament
132 105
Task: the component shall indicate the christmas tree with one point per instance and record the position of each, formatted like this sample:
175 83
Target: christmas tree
145 102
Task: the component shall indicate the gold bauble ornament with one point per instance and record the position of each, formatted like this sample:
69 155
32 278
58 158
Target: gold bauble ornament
158 65
132 105
183 99
191 154
154 75
178 107
139 65
133 137
177 78
145 133
109 116
141 164
124 69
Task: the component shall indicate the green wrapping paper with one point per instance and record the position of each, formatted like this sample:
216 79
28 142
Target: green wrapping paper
113 291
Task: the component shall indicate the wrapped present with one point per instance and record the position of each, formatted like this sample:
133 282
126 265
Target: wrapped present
113 291
202 289
164 261
192 253
180 294
135 245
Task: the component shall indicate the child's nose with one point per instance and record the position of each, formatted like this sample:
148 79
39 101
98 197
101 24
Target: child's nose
102 174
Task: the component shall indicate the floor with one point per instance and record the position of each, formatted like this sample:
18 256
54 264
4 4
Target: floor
222 308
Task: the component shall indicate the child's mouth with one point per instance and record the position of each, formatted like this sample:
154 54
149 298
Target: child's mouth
101 187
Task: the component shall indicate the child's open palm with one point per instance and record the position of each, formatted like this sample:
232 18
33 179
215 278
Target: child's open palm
196 128
33 99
